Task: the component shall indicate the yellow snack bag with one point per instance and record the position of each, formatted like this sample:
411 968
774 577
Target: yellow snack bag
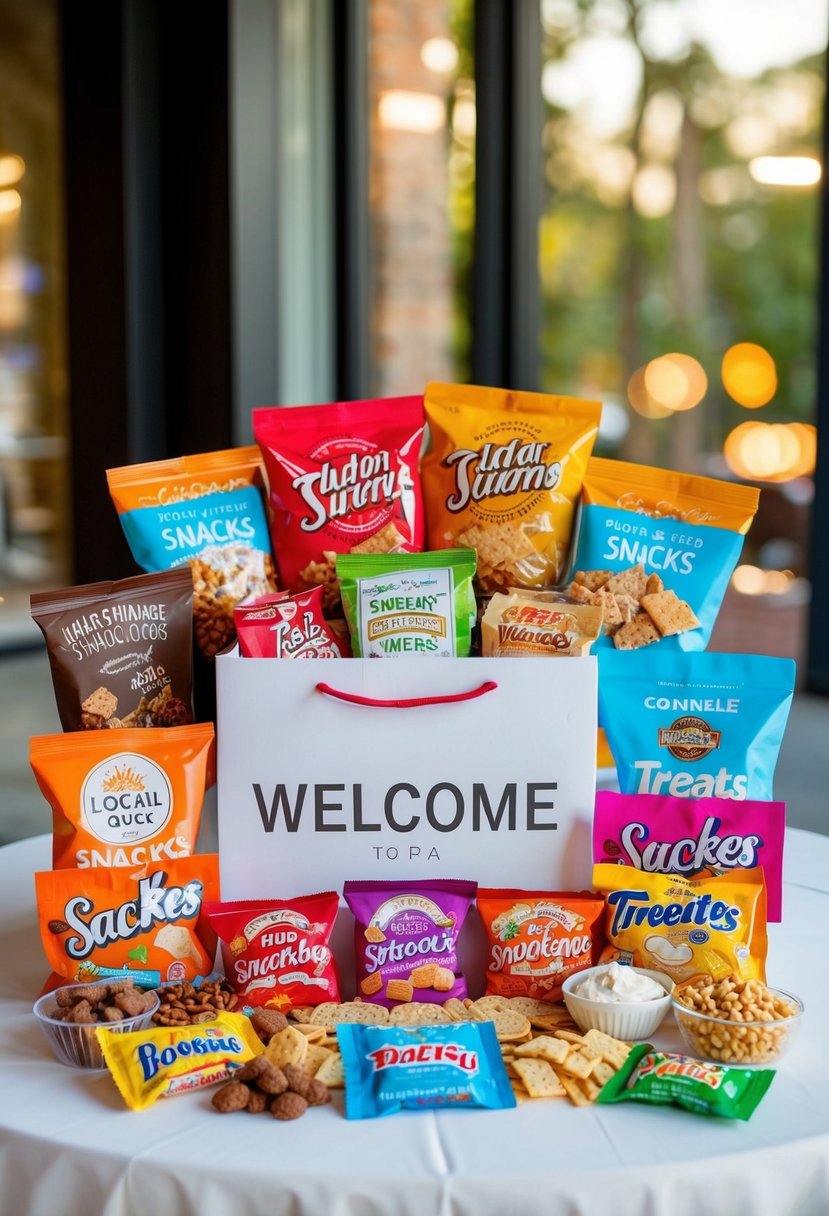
685 926
502 476
162 1061
528 623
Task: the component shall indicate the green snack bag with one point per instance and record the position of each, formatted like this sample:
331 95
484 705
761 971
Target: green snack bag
664 1078
408 603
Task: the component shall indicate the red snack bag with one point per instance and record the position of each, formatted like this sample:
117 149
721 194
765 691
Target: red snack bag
276 952
284 626
406 938
538 938
343 478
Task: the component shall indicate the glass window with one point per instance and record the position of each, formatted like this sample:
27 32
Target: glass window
33 424
421 191
679 256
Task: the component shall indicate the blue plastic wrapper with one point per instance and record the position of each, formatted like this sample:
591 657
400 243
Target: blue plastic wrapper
393 1068
695 725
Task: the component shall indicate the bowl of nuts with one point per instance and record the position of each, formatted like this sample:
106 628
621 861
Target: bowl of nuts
69 1017
736 1021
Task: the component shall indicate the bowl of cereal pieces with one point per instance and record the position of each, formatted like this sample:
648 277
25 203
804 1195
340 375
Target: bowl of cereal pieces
70 1016
736 1021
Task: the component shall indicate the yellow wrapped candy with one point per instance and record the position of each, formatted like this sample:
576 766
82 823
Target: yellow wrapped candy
686 926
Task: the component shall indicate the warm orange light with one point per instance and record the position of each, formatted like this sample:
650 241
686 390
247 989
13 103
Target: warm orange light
403 110
759 451
807 441
676 381
10 204
641 400
749 374
12 168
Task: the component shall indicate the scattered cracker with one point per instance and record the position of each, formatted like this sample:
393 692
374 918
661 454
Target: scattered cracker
639 632
539 1079
543 1047
418 1013
385 541
288 1046
669 613
592 579
632 581
654 585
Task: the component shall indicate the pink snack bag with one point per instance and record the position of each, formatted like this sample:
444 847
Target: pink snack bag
690 836
406 937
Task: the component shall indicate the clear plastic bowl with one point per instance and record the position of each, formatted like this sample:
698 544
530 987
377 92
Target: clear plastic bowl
632 1021
718 1040
75 1043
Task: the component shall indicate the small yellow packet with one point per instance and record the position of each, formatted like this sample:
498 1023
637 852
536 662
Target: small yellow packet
162 1061
685 926
529 623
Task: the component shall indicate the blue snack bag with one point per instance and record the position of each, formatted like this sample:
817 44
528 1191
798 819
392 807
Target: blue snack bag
393 1068
655 550
695 725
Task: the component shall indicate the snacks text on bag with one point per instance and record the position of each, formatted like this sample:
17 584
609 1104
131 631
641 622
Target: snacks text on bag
685 926
208 511
415 603
525 623
664 1078
502 475
343 478
537 938
276 953
692 837
655 550
127 797
695 725
394 1068
121 652
285 626
406 937
112 923
160 1062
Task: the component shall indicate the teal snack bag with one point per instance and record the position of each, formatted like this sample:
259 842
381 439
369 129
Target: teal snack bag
695 725
663 1078
408 603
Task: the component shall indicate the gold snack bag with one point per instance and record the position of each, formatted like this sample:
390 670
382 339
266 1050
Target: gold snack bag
502 476
526 623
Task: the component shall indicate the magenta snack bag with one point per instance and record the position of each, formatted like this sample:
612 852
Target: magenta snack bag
692 836
406 937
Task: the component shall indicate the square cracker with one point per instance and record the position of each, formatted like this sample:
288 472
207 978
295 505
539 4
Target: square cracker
612 618
580 594
632 581
639 632
499 546
576 1065
543 1047
573 1089
669 613
592 579
332 1072
102 702
612 1051
539 1079
384 541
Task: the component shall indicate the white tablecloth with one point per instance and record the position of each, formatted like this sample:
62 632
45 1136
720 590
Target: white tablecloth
69 1147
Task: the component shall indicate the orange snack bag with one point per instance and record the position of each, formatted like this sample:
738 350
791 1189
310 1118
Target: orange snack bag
128 797
538 938
115 923
503 475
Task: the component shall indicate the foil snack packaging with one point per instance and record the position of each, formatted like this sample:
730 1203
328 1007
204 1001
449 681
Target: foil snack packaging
701 725
285 626
693 837
655 550
343 478
503 475
145 925
121 652
664 1078
206 511
162 1061
538 938
394 1068
406 938
124 798
526 623
416 603
276 953
685 926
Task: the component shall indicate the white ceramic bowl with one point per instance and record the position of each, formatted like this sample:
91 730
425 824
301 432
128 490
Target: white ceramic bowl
629 1020
75 1043
718 1040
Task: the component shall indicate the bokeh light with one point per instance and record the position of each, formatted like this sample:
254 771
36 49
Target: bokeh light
753 580
759 451
675 381
641 400
749 374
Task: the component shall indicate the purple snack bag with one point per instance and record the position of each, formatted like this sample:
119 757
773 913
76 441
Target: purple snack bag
406 938
690 836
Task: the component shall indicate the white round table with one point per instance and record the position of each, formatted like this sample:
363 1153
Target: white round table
69 1147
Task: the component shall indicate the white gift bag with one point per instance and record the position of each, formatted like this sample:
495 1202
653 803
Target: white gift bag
406 768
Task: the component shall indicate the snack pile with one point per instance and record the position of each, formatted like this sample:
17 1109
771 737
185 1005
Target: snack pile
469 522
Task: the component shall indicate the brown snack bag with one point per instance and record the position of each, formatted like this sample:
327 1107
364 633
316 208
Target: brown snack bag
527 623
121 652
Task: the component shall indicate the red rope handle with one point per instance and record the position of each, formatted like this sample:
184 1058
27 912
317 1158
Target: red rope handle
412 702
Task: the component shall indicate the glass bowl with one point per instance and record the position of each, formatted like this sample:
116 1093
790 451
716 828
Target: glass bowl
75 1043
717 1039
632 1021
